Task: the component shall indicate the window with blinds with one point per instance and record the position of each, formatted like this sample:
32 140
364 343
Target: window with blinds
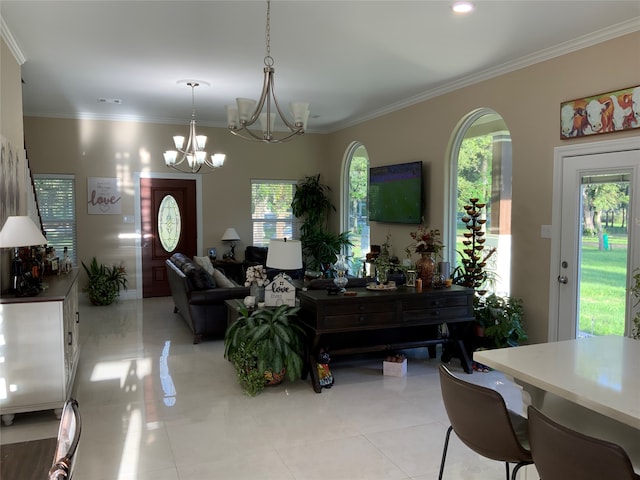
271 211
57 204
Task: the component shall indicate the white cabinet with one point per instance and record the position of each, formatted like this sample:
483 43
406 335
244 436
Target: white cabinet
39 347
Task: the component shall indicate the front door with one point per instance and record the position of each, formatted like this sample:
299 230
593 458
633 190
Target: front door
168 224
599 243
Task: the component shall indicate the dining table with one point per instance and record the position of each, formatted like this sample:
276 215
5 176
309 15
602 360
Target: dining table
589 384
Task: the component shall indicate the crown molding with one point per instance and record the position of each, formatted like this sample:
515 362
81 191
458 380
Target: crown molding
589 40
9 39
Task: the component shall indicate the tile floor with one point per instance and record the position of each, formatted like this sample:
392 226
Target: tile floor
155 406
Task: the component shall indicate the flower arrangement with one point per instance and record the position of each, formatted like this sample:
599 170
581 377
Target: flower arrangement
425 240
257 275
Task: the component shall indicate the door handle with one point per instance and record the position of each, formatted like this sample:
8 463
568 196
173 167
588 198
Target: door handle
562 279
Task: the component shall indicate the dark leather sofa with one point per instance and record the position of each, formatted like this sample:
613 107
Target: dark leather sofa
199 298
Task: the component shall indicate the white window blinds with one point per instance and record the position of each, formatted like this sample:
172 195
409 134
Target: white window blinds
271 211
57 204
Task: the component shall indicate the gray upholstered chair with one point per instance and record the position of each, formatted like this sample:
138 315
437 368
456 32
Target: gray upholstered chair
480 418
560 453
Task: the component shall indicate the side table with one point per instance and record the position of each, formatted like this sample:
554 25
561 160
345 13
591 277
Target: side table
232 269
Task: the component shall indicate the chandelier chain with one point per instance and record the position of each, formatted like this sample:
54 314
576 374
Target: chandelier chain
268 59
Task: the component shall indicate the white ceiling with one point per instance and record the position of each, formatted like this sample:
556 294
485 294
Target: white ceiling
351 60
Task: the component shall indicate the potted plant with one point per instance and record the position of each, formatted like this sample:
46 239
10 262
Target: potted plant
320 247
267 340
104 283
502 320
498 318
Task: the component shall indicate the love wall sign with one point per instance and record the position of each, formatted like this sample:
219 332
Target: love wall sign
104 196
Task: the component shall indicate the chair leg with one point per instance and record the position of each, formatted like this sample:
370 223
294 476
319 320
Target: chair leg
506 466
518 467
444 451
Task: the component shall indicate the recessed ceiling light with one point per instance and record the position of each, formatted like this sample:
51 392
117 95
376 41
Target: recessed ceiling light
463 7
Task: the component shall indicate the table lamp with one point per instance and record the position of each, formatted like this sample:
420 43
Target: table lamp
284 254
230 235
19 231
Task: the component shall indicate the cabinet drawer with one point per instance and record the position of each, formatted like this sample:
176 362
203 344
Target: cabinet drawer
363 320
436 315
359 308
444 301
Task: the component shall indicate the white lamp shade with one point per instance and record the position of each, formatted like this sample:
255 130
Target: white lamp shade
246 106
284 254
230 235
170 157
178 141
232 116
217 159
20 231
201 141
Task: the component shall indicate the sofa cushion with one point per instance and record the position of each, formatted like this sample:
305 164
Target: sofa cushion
205 263
221 280
199 278
179 259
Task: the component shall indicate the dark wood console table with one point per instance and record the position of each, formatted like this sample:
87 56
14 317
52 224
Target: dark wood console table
384 320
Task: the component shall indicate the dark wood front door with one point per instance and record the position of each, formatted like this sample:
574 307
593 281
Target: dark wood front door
152 192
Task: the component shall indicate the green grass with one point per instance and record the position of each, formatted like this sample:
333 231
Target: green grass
603 288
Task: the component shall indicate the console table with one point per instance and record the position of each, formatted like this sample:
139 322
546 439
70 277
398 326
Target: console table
384 320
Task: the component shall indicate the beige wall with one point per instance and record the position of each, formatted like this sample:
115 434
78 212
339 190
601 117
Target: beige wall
10 96
12 130
87 148
528 100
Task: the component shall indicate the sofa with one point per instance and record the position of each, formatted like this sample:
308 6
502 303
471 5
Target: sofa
199 296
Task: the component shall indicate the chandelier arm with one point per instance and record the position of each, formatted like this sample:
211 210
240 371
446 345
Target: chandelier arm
266 88
289 125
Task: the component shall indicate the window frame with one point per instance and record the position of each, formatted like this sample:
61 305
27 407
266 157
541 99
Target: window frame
503 285
291 224
71 223
345 203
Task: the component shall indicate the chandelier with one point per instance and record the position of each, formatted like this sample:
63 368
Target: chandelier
193 157
248 111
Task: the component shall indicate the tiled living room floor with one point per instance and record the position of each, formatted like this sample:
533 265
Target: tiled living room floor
155 406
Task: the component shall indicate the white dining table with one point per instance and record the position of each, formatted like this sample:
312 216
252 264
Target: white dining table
590 384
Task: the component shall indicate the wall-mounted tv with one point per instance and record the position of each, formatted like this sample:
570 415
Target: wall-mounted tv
395 193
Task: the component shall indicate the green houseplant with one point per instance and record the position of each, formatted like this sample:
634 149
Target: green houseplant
104 283
502 319
265 340
498 318
311 203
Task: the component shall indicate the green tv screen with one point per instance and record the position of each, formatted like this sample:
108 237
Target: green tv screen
395 193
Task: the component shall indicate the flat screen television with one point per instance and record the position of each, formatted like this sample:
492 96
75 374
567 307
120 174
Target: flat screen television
395 193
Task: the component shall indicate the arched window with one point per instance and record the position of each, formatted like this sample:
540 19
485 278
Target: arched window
355 219
481 168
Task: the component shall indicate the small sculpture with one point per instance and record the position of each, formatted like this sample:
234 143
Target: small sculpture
325 376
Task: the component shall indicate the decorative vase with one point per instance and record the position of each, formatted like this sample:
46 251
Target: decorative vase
340 280
258 292
426 267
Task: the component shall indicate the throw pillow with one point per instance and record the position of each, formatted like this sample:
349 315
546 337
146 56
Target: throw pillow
221 280
205 263
199 278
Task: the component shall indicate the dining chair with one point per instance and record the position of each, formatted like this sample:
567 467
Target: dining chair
480 418
560 453
67 442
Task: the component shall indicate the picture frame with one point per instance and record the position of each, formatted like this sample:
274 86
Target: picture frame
614 111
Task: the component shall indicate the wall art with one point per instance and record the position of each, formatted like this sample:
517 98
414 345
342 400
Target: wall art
104 197
604 113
